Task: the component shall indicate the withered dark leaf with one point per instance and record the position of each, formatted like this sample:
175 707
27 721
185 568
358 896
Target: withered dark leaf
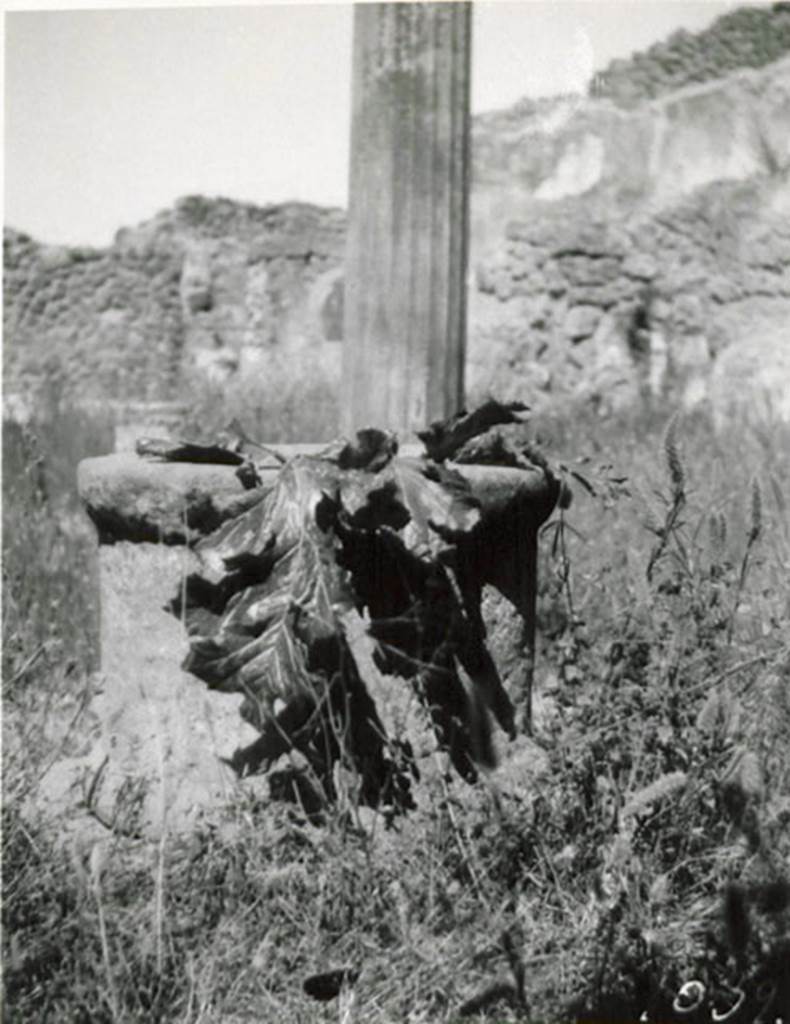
187 451
497 992
444 439
286 553
371 450
327 985
429 505
772 897
490 448
402 539
736 918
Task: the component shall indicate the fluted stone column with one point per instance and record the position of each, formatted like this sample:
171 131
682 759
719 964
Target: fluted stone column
405 306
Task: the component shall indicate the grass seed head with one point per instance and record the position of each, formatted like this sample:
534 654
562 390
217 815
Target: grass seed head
674 463
757 512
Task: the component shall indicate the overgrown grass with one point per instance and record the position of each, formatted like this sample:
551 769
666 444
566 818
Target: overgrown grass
290 401
49 587
640 841
50 611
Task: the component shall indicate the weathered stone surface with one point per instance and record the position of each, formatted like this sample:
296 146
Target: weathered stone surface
581 322
723 250
640 265
710 134
132 498
547 151
144 499
124 321
195 282
505 637
703 218
773 116
406 257
580 269
750 381
155 759
216 364
578 170
603 296
164 734
329 298
611 379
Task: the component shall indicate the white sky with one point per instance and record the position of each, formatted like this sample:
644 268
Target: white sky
112 114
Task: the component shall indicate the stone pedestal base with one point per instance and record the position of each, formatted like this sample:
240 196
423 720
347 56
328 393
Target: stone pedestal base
163 732
160 734
162 737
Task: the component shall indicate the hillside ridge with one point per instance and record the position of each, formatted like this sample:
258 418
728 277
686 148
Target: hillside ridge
748 37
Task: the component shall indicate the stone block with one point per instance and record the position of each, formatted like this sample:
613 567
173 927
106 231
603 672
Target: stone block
581 322
162 737
750 381
584 270
622 289
164 734
773 116
640 265
131 498
195 284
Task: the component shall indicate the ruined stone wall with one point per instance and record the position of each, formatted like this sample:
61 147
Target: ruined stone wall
627 161
650 243
577 304
98 323
617 251
212 284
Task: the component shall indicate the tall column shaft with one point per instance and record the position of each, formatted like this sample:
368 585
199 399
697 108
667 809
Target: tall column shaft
406 258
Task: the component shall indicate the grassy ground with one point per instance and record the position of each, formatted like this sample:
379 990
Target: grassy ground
640 842
268 405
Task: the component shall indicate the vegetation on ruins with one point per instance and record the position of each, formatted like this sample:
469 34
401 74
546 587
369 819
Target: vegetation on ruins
749 37
632 854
